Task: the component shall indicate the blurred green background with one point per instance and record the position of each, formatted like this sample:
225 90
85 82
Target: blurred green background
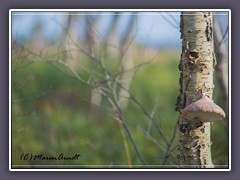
51 115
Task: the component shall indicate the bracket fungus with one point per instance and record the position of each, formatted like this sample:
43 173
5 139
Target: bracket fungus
204 110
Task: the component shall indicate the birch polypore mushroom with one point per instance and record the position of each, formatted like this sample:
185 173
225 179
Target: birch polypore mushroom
204 110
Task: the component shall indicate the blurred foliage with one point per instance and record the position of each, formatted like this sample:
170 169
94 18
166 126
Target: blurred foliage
51 114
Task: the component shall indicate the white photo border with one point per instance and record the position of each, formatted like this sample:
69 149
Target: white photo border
111 10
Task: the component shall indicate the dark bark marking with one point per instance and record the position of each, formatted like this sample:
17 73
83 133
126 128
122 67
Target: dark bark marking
208 31
193 55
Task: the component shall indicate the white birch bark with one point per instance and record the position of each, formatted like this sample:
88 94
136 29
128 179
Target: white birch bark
196 78
128 49
69 40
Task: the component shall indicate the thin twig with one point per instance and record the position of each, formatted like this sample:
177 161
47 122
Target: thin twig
170 22
224 36
152 139
125 144
169 147
124 123
48 91
149 117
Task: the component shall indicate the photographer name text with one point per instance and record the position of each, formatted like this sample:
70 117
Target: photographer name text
37 157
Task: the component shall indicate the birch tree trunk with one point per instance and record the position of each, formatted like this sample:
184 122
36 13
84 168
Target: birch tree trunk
196 78
92 43
69 40
111 32
128 54
92 37
222 62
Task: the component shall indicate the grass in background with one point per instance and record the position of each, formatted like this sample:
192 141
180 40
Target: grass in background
60 121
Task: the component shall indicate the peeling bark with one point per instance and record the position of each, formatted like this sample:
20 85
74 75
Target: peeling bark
196 78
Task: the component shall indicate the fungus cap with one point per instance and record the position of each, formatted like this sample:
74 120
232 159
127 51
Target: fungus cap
203 109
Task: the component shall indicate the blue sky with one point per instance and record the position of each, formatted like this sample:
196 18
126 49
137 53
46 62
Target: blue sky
154 29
